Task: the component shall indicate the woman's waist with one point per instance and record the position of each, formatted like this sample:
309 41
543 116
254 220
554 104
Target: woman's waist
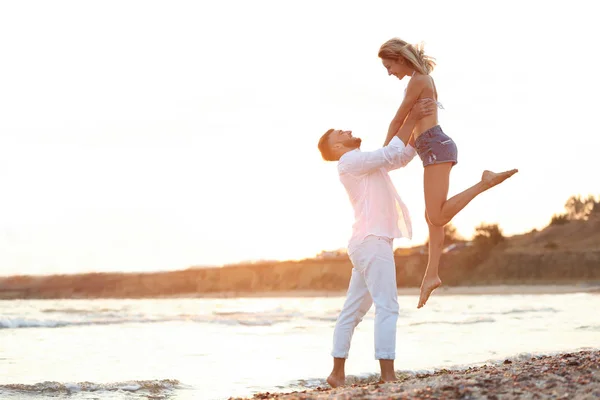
425 125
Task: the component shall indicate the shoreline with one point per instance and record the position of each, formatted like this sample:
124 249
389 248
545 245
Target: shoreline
531 289
442 291
563 375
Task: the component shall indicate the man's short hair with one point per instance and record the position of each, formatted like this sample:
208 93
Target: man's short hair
324 147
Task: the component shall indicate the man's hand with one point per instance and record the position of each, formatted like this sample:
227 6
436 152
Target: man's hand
423 108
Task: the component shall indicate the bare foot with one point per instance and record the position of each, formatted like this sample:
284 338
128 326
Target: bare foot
390 378
491 179
335 381
428 286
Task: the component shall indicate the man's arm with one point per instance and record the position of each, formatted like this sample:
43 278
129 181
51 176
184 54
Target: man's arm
395 154
403 158
404 134
363 162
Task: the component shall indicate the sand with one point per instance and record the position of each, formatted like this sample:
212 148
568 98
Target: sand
569 375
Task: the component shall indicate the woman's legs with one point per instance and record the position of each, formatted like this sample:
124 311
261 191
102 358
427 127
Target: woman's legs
440 211
431 279
436 179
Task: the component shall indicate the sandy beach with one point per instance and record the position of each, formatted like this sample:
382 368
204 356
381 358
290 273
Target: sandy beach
569 375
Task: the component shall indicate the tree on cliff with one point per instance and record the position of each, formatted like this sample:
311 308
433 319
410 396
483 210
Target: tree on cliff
451 235
577 208
488 235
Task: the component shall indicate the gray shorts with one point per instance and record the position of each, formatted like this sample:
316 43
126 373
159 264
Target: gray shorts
435 147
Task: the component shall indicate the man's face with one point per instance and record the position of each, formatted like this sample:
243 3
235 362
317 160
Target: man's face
339 138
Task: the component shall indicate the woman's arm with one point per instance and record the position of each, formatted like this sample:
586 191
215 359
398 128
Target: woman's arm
421 109
413 91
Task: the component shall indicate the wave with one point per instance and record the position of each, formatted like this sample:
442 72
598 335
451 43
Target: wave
465 322
154 386
33 323
72 317
79 311
518 311
233 319
267 318
314 383
594 328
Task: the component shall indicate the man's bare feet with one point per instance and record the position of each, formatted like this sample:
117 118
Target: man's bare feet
388 378
491 179
336 381
428 286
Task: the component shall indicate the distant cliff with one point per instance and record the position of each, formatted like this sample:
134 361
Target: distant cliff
559 254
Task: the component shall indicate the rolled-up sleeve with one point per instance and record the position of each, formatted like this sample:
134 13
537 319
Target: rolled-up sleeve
392 156
403 158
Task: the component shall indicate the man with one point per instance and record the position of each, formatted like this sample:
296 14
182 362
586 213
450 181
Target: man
380 216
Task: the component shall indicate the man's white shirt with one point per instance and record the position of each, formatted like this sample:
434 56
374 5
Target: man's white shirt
378 208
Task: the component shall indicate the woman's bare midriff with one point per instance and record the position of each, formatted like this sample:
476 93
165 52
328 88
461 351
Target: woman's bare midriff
431 120
425 124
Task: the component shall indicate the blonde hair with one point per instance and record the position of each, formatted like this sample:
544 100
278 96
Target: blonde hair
395 48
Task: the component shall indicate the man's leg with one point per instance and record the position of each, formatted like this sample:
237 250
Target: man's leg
380 277
358 302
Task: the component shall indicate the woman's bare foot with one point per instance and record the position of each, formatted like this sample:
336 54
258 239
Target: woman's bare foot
336 381
491 179
427 286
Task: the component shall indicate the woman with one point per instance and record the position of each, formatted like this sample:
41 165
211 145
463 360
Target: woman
436 149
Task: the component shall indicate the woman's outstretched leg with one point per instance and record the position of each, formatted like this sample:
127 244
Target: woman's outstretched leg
442 212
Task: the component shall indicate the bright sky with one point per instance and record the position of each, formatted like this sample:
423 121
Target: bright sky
158 135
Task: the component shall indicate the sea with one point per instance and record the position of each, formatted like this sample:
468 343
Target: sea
203 348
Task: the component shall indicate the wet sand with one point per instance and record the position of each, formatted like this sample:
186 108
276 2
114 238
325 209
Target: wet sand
570 375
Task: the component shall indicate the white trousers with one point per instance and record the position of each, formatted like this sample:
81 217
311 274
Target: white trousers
373 281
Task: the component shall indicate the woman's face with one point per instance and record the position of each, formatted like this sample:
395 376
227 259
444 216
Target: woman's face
395 67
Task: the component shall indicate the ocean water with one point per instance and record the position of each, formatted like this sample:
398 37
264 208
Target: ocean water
198 348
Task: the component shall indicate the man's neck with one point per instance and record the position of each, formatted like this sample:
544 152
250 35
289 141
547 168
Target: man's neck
349 149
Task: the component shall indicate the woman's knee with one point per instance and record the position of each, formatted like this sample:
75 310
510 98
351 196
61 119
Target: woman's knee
436 219
427 218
